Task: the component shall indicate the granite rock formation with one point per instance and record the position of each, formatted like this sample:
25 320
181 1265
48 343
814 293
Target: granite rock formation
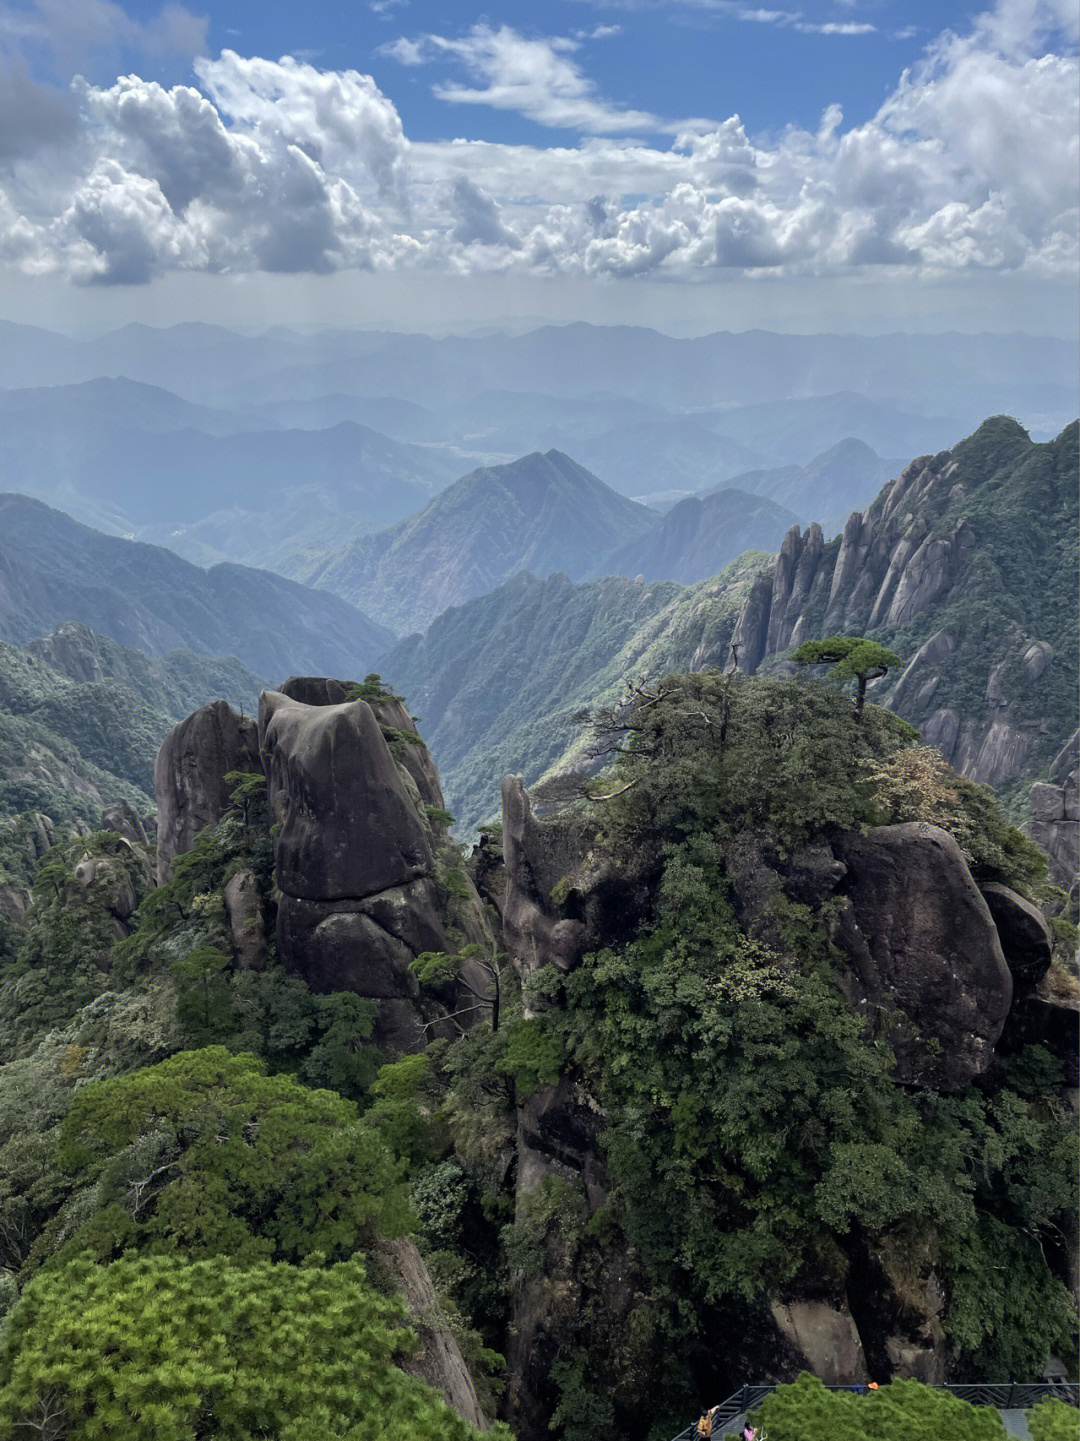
924 951
189 776
356 856
1055 815
939 537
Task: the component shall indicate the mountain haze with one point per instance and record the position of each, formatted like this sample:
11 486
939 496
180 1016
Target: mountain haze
843 478
701 534
52 570
542 513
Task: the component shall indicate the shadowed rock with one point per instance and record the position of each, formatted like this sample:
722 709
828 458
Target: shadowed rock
1024 935
347 826
925 948
189 776
315 690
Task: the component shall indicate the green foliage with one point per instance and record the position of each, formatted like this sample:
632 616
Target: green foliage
203 996
854 657
371 689
161 1349
1052 1420
63 957
206 1154
573 647
535 1054
717 754
901 1411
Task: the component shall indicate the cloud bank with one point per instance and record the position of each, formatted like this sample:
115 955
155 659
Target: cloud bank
971 164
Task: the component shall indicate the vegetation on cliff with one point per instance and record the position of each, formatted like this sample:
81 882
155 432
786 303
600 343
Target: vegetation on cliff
186 1143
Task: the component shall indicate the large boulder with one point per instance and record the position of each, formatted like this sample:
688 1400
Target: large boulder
355 868
124 819
1025 937
395 720
189 776
924 952
347 828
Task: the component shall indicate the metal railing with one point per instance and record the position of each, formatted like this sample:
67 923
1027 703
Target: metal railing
1004 1395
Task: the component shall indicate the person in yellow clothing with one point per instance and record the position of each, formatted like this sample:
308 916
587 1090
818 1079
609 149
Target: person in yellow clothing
705 1425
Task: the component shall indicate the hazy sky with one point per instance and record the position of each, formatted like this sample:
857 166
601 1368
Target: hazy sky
692 164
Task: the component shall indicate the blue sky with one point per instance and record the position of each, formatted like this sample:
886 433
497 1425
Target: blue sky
867 159
673 59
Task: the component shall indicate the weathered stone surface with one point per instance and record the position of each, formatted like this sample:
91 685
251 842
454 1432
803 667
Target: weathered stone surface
560 899
341 949
912 1362
347 827
1047 802
14 902
1055 809
825 1338
410 914
1025 937
123 818
536 933
415 758
335 947
189 776
925 950
941 730
929 655
315 690
243 904
438 1361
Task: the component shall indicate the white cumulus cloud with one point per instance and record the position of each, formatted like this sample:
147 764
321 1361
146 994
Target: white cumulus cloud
970 164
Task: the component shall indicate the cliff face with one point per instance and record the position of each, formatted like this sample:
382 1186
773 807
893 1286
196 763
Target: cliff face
947 568
943 969
358 888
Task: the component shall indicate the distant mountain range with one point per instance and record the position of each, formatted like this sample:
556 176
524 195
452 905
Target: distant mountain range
656 418
699 535
843 478
52 570
961 376
542 513
138 460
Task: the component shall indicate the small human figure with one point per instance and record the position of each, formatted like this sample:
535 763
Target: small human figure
704 1426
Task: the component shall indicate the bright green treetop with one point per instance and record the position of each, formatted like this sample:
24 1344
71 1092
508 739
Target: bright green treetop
206 1154
155 1348
855 659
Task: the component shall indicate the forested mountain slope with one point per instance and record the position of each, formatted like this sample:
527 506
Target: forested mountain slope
52 570
497 682
966 566
81 720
